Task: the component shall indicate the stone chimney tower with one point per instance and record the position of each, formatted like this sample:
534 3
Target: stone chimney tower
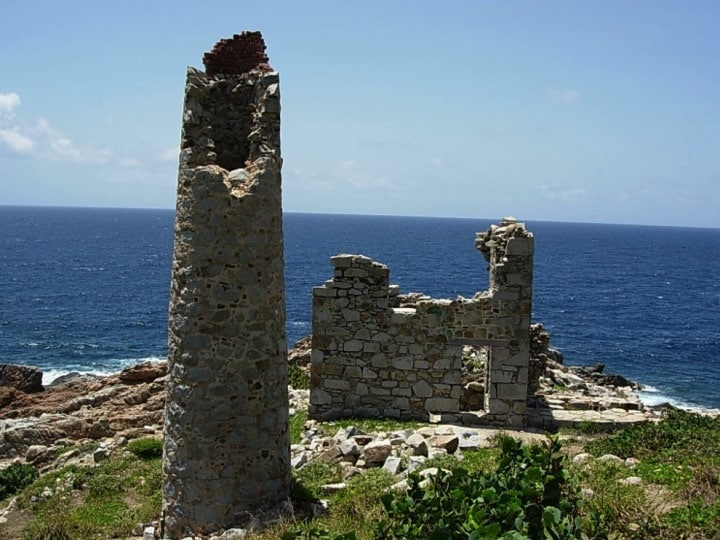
227 451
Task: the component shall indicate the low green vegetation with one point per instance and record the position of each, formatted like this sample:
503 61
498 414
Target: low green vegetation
296 424
680 471
511 491
526 492
15 477
369 425
527 496
102 501
298 378
146 448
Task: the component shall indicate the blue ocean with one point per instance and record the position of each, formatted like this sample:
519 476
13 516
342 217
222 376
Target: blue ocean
87 289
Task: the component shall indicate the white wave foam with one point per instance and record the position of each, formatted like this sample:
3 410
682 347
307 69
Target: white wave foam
652 397
112 367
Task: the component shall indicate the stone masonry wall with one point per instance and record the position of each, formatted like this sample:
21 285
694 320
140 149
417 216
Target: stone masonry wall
371 359
226 450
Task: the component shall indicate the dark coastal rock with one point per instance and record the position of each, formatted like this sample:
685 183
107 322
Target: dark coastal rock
596 374
540 355
301 353
145 372
24 378
7 396
73 376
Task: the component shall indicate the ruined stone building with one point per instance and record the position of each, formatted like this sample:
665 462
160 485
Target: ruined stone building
226 443
372 358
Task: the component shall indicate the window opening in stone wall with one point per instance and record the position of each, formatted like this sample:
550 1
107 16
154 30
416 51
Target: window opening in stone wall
475 361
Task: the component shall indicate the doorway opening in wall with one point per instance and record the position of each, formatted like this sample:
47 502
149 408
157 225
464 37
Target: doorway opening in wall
475 363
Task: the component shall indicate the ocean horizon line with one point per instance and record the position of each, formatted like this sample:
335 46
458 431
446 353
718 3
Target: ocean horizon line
371 215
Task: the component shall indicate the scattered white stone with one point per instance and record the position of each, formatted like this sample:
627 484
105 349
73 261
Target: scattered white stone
233 534
321 507
377 451
611 458
437 452
583 457
393 465
299 460
418 444
631 481
35 452
447 442
333 488
149 533
349 447
426 431
100 454
414 462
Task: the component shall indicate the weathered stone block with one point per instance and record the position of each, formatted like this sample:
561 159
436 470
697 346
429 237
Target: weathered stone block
521 358
342 260
439 405
371 347
452 377
512 392
402 362
324 292
352 372
354 345
320 397
422 389
337 384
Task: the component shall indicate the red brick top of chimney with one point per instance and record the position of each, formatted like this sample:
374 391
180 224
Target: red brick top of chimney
237 55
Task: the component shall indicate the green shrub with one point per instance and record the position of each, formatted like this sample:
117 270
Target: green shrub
316 534
680 431
49 531
16 477
316 474
298 377
528 496
146 448
297 426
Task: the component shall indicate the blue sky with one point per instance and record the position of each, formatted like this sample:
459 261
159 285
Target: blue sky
555 110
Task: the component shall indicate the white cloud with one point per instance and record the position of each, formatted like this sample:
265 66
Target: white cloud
10 134
8 103
16 141
348 173
564 95
45 141
64 148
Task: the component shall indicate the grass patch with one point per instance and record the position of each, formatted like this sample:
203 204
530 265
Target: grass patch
103 501
297 426
298 378
369 425
15 477
146 447
522 492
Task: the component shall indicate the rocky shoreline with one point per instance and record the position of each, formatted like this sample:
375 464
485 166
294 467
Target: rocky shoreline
35 421
80 419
